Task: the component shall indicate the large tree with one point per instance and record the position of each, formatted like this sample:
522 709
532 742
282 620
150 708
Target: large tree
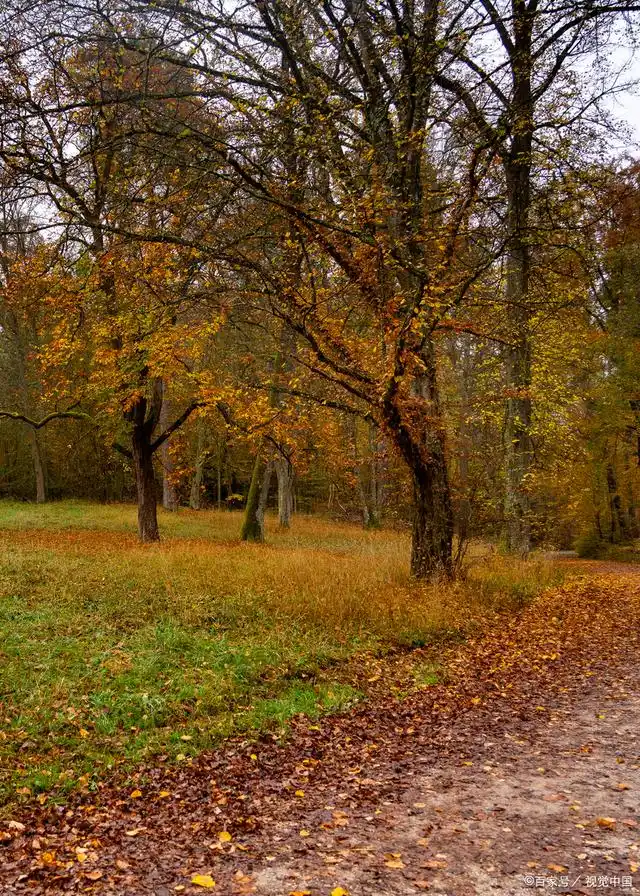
334 136
531 75
68 125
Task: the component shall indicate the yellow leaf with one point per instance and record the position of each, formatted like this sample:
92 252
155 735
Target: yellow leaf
83 732
225 837
300 793
606 822
304 833
164 794
135 794
394 863
559 869
203 880
339 891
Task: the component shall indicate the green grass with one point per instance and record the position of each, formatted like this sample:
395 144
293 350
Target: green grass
112 652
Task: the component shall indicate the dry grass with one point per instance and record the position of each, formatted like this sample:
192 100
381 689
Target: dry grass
112 650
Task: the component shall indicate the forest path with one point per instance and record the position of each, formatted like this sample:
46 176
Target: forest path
519 774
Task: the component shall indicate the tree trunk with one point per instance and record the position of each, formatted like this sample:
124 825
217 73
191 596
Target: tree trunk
264 496
518 445
253 523
38 468
285 474
376 479
419 433
145 484
195 494
618 529
432 535
169 494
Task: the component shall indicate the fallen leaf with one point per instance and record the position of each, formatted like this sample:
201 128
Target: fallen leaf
300 793
394 863
304 833
339 891
604 822
203 880
135 794
225 837
93 875
559 869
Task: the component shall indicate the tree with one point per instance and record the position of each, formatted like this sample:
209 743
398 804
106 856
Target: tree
371 237
516 72
69 128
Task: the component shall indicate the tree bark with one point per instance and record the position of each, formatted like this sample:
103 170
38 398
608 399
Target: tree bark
38 467
195 495
145 484
253 523
618 528
518 445
432 534
419 433
285 475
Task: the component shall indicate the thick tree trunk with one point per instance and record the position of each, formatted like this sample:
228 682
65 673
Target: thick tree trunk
253 523
38 468
419 432
285 475
145 484
264 496
432 535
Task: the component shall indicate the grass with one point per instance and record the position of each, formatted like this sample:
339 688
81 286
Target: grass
112 652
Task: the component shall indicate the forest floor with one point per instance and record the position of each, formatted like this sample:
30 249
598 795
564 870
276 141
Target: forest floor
519 771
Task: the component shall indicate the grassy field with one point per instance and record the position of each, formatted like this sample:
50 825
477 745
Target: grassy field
112 652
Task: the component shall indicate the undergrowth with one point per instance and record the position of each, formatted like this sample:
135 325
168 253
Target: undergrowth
112 652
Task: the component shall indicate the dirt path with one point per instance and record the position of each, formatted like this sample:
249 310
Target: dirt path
519 775
548 805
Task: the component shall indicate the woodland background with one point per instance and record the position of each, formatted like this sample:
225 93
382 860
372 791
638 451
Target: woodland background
379 257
